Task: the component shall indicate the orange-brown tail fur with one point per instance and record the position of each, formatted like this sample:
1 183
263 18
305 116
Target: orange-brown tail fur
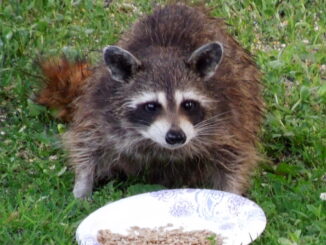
63 82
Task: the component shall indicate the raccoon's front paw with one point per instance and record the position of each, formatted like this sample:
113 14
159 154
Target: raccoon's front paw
82 191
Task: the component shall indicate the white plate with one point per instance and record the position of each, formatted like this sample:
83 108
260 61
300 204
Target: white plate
237 219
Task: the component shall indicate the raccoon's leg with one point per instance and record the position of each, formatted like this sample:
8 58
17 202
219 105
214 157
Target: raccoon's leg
236 181
84 150
84 181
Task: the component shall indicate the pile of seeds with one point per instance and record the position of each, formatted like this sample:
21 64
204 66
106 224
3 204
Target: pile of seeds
146 236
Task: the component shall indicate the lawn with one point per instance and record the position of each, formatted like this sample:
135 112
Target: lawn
288 41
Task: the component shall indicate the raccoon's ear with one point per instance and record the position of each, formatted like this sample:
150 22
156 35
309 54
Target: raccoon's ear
206 59
121 64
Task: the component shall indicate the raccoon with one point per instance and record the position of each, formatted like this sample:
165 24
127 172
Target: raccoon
176 100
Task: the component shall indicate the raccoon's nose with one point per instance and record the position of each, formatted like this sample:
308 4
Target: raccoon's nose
175 137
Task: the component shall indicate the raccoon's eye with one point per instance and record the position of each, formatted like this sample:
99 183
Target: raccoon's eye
189 105
152 106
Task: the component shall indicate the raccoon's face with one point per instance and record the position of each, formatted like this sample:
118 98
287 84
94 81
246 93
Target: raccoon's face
166 109
167 121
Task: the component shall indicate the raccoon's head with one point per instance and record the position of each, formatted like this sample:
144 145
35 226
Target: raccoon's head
166 99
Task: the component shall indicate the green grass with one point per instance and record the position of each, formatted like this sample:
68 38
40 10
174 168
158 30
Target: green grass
288 40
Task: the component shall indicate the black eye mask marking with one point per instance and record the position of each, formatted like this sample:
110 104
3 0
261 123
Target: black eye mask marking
145 113
193 110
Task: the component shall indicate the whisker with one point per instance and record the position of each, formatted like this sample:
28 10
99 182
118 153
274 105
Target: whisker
218 116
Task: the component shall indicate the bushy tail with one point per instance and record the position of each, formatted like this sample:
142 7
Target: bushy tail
63 82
